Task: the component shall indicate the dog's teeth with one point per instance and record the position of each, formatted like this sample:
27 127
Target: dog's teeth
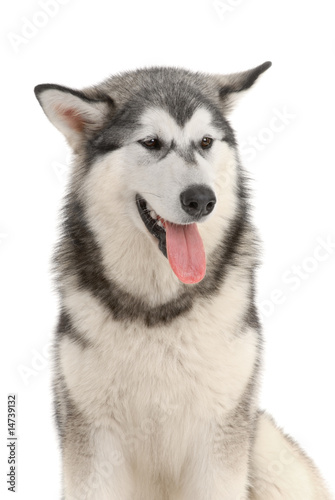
153 214
160 224
149 208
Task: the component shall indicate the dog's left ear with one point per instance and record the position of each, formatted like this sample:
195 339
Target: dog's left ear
231 86
74 113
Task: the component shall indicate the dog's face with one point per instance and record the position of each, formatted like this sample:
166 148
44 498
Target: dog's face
173 165
167 151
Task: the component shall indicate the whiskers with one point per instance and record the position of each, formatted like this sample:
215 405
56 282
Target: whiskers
152 194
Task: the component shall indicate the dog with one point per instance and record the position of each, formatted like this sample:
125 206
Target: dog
158 348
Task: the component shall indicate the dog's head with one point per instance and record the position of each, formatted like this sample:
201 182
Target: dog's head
156 144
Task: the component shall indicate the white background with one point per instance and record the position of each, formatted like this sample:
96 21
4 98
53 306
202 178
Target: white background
292 170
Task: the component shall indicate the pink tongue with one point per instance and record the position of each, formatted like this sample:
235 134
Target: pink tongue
186 252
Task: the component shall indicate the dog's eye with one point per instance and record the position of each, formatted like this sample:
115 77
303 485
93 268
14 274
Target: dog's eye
206 142
151 144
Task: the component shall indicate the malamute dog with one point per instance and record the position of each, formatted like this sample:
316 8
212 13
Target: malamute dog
158 346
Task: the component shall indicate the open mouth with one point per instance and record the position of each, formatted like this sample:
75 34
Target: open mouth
180 243
153 222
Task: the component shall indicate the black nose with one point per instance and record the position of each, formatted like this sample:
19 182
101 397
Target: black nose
198 200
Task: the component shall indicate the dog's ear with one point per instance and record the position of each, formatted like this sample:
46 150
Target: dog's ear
232 86
75 114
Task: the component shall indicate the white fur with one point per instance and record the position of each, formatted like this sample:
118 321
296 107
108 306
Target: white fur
116 223
153 401
161 183
157 121
197 373
280 468
222 360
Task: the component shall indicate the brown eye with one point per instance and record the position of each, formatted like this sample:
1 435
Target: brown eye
151 144
206 142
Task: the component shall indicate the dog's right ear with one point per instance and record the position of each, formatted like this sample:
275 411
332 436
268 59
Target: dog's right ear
75 114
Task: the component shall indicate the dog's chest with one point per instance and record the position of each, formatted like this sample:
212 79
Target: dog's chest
196 364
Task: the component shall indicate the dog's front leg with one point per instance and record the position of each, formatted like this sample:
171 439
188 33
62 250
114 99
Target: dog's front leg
220 469
94 467
224 483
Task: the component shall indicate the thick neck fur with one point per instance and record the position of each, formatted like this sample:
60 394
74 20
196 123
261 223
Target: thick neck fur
104 241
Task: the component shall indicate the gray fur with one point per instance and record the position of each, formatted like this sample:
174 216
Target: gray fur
78 254
156 381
